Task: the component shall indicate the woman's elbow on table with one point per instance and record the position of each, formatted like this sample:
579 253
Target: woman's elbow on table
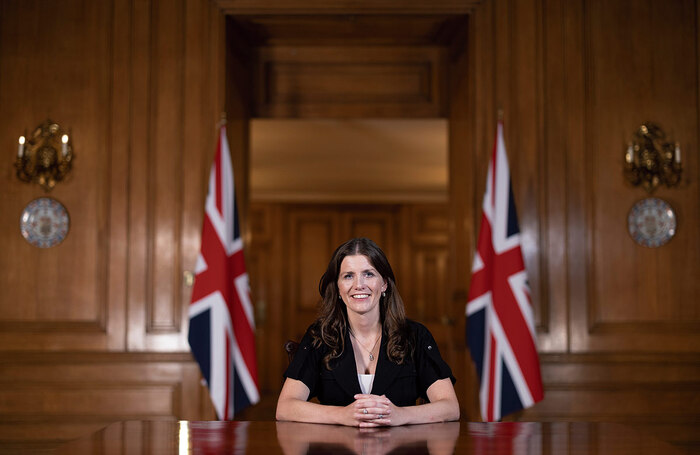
454 410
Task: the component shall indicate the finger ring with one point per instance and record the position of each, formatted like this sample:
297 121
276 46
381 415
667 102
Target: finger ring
364 411
381 416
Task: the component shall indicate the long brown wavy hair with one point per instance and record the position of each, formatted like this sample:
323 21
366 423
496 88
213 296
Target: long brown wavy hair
332 322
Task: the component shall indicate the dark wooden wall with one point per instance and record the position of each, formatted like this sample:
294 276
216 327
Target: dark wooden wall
617 323
94 330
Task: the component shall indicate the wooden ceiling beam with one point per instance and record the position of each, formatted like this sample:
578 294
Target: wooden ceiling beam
301 7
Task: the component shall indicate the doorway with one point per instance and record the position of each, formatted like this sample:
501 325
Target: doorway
311 91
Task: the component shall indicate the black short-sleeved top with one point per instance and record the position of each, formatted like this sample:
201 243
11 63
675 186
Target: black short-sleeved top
402 384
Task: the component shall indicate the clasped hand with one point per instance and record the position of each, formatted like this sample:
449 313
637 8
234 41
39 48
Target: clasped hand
373 411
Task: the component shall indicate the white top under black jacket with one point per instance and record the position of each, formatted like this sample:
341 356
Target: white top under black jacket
402 384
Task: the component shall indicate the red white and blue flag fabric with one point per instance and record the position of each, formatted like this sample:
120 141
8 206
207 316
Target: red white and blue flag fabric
500 323
222 329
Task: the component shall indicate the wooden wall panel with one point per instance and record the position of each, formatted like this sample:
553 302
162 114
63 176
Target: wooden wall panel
135 82
139 109
575 101
80 398
558 111
423 283
312 239
72 395
350 82
376 222
428 301
169 164
531 179
645 294
60 294
163 163
462 133
267 289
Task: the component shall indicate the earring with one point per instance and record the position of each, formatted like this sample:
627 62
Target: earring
383 293
339 297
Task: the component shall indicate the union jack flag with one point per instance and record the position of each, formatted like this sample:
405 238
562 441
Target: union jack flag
500 323
222 329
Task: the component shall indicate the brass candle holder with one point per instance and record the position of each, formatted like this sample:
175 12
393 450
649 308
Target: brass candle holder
44 157
652 159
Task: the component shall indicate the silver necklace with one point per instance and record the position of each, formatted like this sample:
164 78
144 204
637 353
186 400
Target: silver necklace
371 356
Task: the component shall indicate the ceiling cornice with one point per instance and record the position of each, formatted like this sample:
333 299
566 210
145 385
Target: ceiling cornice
396 7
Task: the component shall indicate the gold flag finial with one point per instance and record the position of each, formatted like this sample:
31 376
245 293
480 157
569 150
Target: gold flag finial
222 121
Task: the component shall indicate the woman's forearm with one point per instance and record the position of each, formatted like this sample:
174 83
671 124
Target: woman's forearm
442 406
293 409
443 410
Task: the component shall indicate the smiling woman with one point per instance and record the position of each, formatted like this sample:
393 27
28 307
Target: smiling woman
360 287
367 364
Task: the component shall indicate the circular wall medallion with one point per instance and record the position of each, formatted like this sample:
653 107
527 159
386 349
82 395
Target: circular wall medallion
44 222
651 222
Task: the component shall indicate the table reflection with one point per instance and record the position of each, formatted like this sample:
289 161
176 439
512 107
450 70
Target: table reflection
212 437
291 438
305 438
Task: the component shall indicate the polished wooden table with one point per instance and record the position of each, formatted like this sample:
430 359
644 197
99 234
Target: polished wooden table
531 438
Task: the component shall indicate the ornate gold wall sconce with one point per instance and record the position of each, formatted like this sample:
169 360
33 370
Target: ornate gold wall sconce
653 159
45 157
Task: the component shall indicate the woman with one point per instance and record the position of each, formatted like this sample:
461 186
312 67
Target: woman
362 358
